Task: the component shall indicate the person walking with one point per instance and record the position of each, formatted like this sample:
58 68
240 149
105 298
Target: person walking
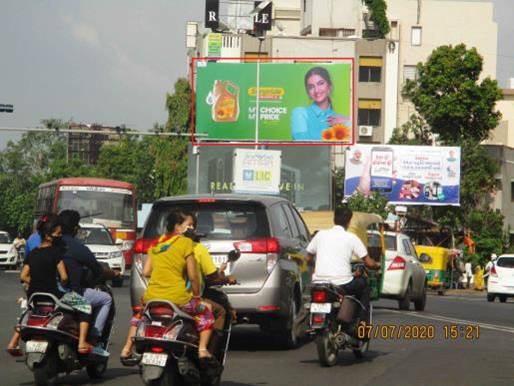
468 272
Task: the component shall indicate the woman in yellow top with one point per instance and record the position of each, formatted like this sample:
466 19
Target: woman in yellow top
165 265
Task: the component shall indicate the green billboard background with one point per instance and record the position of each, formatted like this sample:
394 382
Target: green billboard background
282 90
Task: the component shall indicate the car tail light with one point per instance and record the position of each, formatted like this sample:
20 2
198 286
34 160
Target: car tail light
143 245
206 200
493 272
268 308
398 263
269 245
318 319
154 331
319 296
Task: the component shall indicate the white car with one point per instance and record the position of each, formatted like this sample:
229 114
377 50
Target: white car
501 279
98 239
9 258
404 276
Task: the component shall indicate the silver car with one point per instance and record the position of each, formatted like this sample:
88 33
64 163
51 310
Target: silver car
272 238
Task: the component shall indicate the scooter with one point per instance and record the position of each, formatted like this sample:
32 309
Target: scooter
50 330
167 341
334 317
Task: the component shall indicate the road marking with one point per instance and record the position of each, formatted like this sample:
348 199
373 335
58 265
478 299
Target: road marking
441 318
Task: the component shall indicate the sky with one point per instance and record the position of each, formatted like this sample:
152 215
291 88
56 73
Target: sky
113 61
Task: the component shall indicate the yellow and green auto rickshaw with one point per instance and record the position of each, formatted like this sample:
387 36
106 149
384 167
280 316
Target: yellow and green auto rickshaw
369 228
435 261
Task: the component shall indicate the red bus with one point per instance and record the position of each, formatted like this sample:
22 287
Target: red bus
106 202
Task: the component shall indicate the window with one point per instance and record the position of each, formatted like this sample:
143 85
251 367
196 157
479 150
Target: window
370 69
282 224
301 225
336 32
512 190
292 224
408 247
415 36
410 73
369 112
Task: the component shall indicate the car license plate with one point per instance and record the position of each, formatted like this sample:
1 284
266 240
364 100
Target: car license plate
321 308
154 359
36 346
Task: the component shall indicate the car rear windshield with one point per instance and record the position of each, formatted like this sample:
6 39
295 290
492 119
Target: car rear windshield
222 220
4 239
98 236
374 241
505 262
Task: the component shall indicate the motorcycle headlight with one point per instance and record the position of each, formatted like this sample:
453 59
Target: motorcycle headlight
54 323
115 254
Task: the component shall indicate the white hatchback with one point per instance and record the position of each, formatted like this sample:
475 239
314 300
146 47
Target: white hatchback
501 279
404 276
9 258
98 239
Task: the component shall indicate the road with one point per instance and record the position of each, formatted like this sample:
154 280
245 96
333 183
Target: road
255 361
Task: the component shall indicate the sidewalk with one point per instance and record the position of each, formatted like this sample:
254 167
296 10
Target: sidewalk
466 293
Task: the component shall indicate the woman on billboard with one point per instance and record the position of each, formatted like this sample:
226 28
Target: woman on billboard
318 121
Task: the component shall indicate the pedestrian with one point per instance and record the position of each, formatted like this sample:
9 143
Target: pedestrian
488 267
468 272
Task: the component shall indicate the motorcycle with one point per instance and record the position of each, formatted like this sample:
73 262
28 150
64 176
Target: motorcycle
334 317
50 330
167 342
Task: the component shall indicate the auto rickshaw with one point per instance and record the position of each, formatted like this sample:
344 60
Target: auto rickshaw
435 261
364 225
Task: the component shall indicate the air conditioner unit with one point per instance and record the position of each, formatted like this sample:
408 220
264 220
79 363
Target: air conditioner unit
365 131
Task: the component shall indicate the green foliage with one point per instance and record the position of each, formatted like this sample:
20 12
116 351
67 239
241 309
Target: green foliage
378 16
375 203
450 97
179 107
414 132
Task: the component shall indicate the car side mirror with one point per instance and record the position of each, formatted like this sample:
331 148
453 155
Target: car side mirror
118 242
234 255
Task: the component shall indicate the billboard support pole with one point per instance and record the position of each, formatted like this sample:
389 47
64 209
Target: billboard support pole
258 93
196 151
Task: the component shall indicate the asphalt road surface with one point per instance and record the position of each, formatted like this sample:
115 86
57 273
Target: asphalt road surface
254 360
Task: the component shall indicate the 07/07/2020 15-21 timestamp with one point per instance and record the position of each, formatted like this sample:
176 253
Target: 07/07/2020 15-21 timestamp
418 331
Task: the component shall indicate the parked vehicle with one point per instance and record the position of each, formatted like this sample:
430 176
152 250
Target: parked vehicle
333 313
98 239
9 257
404 276
435 263
167 341
501 279
272 270
50 330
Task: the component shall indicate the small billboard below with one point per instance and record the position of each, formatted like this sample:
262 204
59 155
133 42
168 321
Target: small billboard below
257 171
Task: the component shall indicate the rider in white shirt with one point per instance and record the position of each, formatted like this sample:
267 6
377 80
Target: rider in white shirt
334 249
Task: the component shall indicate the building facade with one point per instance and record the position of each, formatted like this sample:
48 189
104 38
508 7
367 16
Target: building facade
85 145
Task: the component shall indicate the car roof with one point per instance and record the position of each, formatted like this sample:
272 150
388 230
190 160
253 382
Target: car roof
4 232
263 199
92 226
506 255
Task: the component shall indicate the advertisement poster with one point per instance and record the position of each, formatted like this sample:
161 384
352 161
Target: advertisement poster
418 175
257 171
304 102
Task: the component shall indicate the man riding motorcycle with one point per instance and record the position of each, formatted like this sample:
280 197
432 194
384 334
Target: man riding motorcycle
83 270
333 249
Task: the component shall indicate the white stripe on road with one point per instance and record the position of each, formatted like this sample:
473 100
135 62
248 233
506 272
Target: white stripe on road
441 318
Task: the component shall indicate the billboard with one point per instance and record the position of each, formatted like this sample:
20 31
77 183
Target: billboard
257 171
418 175
301 102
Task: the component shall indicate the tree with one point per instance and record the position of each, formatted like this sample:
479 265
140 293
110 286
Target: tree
377 9
414 132
375 203
449 96
178 105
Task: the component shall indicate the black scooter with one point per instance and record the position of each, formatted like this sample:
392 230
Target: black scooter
50 331
334 317
167 341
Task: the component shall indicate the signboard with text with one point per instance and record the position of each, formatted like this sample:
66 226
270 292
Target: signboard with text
419 175
257 171
309 102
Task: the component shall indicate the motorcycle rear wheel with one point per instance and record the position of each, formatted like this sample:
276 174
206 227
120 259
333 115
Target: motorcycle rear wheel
170 377
327 352
45 373
96 370
362 350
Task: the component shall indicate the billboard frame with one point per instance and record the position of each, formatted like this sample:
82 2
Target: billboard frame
199 141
